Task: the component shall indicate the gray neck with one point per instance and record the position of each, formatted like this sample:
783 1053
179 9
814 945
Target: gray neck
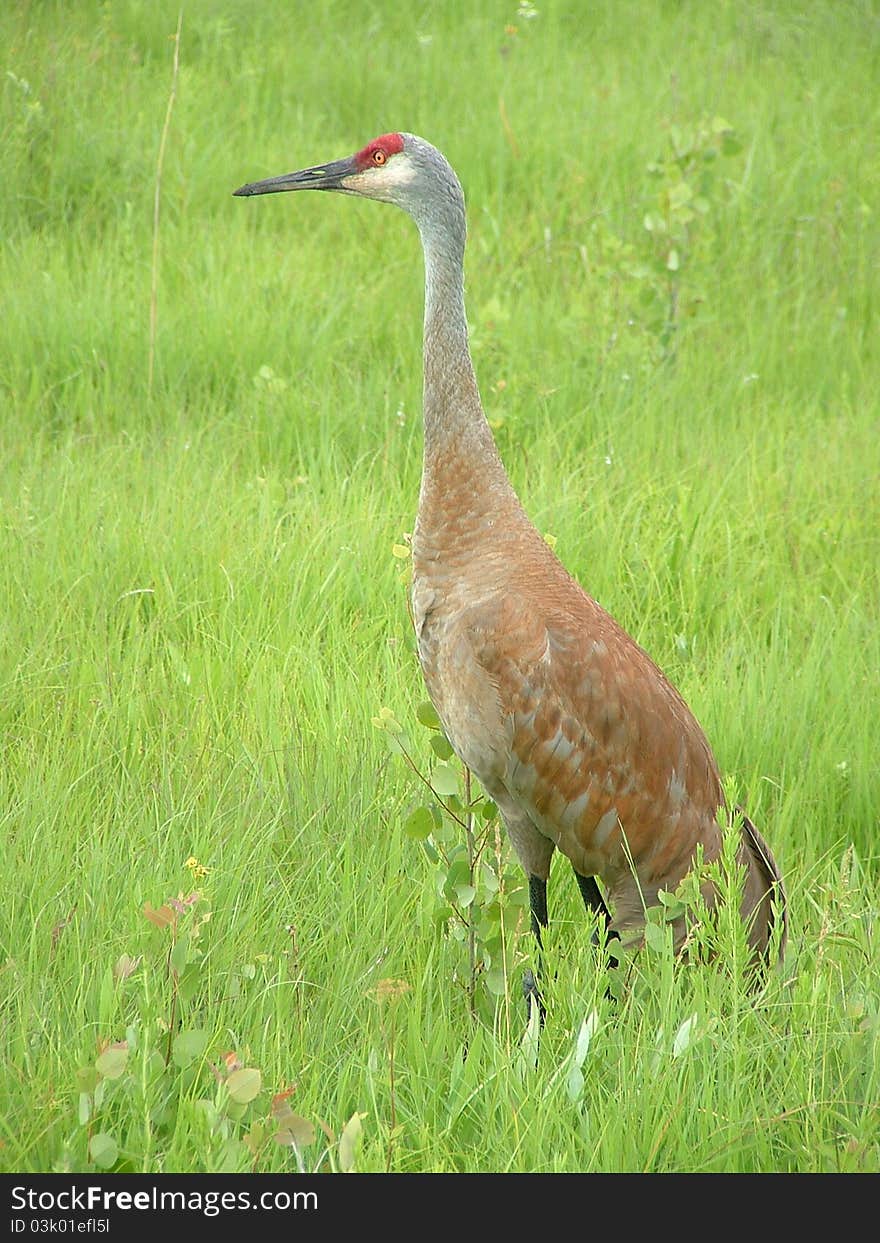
455 424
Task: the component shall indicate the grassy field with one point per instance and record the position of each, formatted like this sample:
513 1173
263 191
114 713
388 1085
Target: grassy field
212 898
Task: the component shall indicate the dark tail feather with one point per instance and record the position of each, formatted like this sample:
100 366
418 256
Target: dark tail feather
771 886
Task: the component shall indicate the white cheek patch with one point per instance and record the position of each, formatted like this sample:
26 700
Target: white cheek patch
380 183
397 172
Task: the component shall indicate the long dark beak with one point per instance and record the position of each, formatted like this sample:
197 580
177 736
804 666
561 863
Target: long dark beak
323 177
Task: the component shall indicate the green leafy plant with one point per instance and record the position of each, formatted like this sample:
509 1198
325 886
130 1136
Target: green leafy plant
716 935
135 1095
480 897
686 192
387 994
656 282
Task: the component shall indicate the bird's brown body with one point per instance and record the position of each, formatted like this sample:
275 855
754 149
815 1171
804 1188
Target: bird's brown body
572 729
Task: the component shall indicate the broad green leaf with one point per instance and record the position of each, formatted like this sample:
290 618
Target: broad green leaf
426 715
459 874
188 1047
103 1150
488 932
493 944
111 1063
655 937
243 1085
444 780
673 906
188 981
292 1129
179 952
489 879
465 894
441 747
495 981
683 1036
348 1143
419 824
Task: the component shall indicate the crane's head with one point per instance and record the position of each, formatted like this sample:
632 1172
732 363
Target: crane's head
394 168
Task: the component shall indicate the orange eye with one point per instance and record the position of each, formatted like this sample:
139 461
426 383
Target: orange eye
379 157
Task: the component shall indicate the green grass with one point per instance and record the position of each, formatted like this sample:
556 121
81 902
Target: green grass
202 613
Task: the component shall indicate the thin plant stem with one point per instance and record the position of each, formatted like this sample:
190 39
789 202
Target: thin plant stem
157 198
472 863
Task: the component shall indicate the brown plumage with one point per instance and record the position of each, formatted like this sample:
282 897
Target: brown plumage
572 729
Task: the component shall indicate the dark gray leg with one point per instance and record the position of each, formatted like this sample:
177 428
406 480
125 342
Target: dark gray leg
593 900
595 904
538 907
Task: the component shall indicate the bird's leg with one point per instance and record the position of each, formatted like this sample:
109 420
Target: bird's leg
595 904
538 907
593 901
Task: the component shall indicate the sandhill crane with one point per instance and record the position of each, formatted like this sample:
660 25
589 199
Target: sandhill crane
569 725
